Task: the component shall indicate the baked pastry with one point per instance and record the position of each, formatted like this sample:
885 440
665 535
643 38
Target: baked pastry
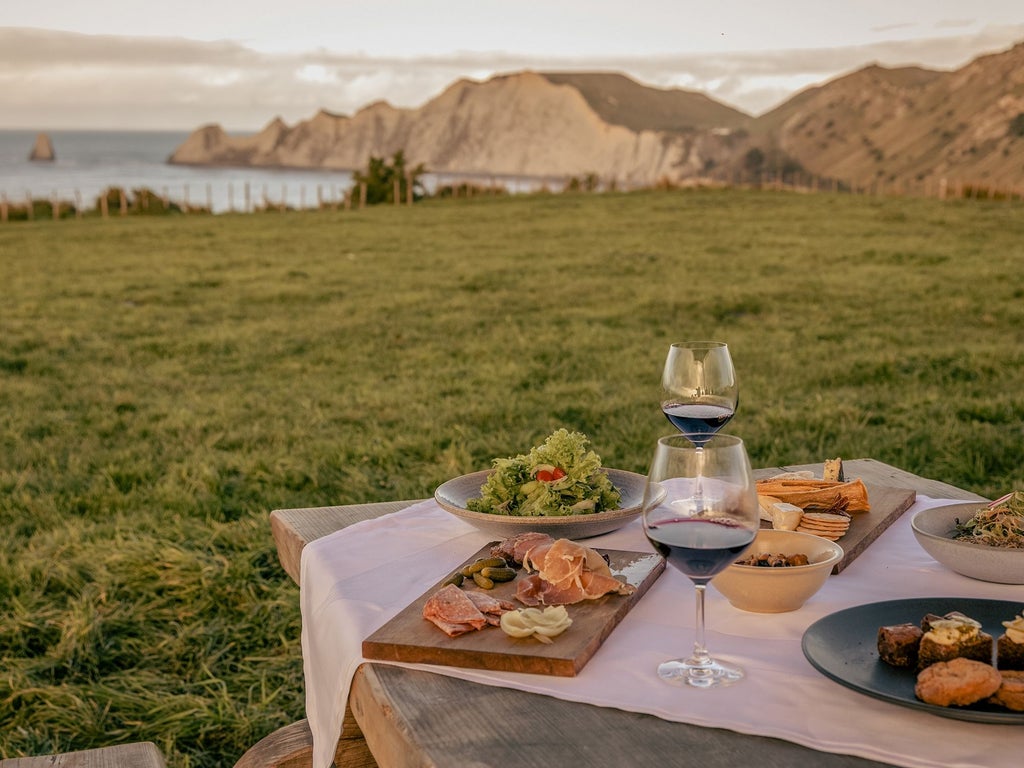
952 636
957 683
897 644
1010 645
1010 693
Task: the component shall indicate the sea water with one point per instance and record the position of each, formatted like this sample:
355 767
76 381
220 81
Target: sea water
89 162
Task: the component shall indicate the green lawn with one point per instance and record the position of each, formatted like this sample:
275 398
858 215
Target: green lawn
166 382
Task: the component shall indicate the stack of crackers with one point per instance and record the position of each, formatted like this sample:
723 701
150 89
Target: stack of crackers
828 525
825 505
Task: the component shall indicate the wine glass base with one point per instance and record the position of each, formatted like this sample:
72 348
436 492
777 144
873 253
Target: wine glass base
707 673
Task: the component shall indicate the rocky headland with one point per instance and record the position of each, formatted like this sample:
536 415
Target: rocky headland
872 125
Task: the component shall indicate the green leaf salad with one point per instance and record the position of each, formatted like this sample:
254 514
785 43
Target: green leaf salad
560 477
1000 524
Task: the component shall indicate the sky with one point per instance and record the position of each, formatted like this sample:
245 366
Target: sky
106 64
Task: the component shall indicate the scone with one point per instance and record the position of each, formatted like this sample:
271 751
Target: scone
950 637
1010 645
957 683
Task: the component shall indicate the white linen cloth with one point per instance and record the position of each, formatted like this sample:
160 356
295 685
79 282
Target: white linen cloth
349 589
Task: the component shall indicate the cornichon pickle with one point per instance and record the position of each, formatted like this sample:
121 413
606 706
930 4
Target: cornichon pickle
498 573
456 579
483 581
483 562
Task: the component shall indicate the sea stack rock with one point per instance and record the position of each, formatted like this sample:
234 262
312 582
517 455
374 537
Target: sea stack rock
43 150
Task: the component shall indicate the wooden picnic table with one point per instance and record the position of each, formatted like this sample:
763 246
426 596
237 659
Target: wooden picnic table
415 718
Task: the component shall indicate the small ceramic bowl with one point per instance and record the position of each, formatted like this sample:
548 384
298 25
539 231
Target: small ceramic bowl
935 529
786 588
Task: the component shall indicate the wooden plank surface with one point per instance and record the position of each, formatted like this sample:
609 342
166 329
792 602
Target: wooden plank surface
887 504
410 638
143 754
416 719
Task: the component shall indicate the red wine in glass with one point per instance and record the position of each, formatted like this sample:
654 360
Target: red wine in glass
700 513
699 548
698 421
699 392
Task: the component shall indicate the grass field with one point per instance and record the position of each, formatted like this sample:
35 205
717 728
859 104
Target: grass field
165 383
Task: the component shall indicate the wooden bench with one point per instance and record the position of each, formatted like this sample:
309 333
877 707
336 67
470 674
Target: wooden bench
139 755
292 747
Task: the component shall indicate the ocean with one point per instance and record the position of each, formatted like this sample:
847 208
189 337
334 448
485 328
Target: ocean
87 162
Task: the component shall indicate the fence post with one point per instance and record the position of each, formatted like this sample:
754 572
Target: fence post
248 198
124 201
398 192
104 205
408 189
362 194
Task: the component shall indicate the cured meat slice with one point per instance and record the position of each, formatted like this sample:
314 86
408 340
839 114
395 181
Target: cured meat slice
453 611
567 573
490 607
532 590
515 548
489 604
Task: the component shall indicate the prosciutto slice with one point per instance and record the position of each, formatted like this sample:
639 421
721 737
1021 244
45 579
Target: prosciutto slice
515 548
566 573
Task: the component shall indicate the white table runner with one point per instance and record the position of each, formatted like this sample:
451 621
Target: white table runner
349 589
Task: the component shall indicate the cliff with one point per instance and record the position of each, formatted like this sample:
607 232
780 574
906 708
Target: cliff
525 124
904 125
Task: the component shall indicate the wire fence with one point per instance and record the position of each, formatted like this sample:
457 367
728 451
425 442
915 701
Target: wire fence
246 197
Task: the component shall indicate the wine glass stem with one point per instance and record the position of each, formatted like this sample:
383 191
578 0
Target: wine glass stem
700 652
698 492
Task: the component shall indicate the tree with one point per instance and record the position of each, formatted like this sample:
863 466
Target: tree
382 177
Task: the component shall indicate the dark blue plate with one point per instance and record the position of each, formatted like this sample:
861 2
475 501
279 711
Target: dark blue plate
844 647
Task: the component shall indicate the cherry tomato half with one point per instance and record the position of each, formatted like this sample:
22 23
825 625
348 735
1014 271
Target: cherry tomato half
549 476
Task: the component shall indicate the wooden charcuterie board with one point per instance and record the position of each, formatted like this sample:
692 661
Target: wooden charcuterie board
887 504
410 638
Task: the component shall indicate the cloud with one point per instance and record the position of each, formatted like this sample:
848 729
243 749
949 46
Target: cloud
54 79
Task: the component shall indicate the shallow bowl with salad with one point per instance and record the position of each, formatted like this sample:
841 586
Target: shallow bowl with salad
454 495
999 559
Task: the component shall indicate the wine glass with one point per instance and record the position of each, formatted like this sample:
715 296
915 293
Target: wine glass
700 513
699 389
